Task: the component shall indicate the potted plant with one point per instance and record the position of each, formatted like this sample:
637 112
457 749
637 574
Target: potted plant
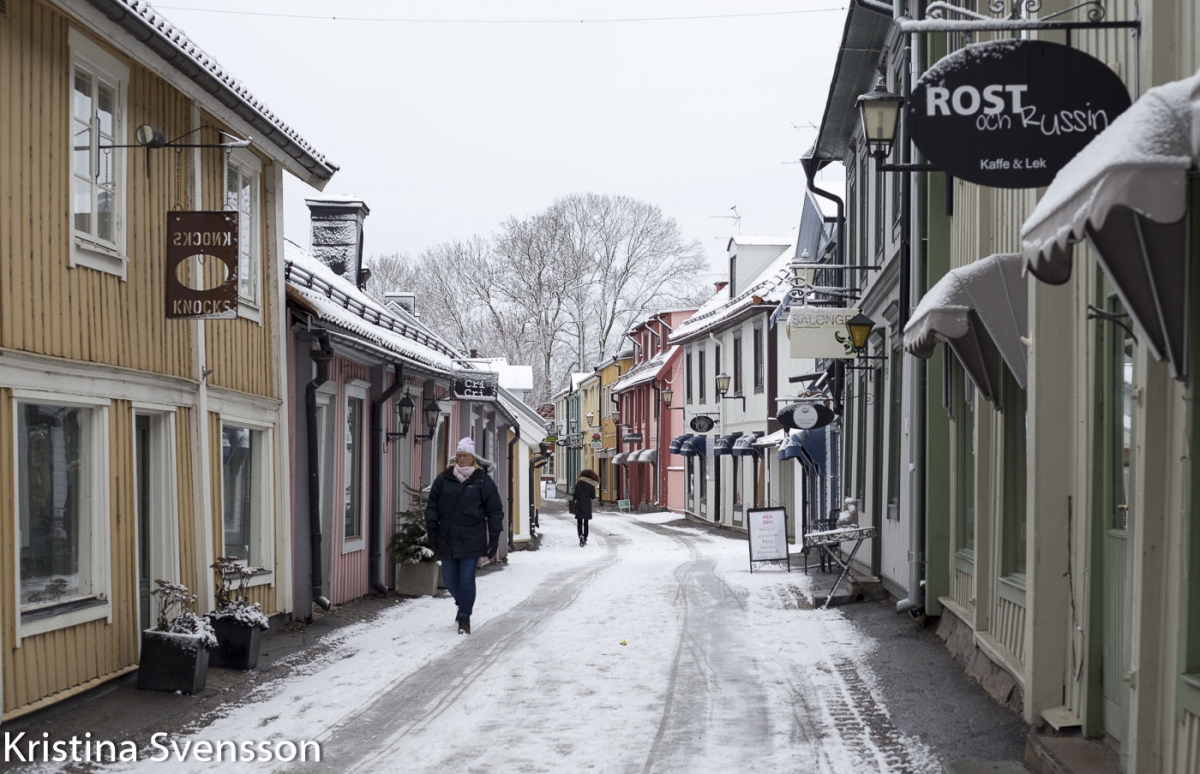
417 569
238 623
175 652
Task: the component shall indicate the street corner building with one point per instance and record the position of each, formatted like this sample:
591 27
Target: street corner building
144 432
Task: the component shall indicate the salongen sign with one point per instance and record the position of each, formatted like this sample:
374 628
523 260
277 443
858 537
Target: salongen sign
1012 113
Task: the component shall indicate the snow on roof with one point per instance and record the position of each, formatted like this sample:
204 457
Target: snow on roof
771 286
645 371
169 42
532 426
512 377
334 299
764 241
578 379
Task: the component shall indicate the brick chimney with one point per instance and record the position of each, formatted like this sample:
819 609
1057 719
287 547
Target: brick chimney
720 286
337 235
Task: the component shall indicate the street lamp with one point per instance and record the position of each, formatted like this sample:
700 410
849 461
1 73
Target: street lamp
591 419
879 110
404 413
432 413
723 380
859 327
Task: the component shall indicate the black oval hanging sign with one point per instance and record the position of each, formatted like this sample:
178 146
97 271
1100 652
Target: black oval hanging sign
1012 113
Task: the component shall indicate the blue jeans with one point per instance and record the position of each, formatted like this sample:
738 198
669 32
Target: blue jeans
459 576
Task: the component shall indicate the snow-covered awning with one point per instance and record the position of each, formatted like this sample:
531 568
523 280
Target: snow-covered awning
619 459
648 455
603 454
1127 192
677 444
744 446
771 440
980 311
724 444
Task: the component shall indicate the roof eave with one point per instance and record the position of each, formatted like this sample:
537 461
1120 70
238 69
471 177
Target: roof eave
298 160
863 40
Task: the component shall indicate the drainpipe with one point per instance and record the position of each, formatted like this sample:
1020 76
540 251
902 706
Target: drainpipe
915 602
511 487
375 524
322 360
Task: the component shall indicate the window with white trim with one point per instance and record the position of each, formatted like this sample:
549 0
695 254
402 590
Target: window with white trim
352 481
62 556
243 181
98 101
245 515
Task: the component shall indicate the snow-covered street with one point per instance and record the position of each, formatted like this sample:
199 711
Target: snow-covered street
651 649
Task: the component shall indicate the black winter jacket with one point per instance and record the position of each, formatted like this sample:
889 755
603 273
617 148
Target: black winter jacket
464 519
585 492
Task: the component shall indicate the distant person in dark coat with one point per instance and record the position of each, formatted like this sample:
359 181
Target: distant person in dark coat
585 492
464 518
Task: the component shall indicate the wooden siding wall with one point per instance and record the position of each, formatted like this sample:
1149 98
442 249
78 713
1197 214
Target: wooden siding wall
238 351
47 307
53 663
265 594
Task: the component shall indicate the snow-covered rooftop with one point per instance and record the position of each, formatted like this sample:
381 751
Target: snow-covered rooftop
771 287
334 299
644 371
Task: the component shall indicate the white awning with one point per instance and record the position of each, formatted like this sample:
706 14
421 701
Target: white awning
1127 193
648 455
620 458
980 311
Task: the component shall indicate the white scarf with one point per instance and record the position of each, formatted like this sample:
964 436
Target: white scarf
462 474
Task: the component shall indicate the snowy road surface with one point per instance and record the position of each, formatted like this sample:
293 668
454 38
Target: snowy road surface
652 649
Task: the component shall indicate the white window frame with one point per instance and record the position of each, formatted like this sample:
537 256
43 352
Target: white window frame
250 253
164 494
355 390
97 507
262 473
87 250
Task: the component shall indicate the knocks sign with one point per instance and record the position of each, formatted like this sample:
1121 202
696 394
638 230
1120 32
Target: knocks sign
1012 113
205 235
768 537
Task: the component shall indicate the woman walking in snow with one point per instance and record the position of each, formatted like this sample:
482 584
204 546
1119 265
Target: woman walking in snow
464 518
585 492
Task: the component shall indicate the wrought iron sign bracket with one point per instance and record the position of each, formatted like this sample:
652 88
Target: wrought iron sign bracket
936 21
151 139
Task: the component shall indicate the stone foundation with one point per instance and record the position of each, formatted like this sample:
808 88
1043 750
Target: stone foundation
995 679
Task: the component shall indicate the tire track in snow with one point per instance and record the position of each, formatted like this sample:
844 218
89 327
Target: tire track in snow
863 725
412 703
712 689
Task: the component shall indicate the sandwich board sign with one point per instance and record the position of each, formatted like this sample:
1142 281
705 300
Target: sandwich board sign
768 537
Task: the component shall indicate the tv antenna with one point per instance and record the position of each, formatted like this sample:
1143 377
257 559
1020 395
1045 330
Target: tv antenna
735 217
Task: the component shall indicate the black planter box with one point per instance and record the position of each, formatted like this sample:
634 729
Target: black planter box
237 644
172 662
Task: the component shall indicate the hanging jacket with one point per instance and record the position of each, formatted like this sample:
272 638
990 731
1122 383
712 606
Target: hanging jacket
585 492
464 519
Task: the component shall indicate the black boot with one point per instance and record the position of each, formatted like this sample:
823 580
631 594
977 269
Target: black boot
464 625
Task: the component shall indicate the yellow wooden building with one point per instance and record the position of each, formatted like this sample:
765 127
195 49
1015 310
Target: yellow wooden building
135 447
610 371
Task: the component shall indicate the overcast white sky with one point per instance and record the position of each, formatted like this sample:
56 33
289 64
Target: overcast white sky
446 128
